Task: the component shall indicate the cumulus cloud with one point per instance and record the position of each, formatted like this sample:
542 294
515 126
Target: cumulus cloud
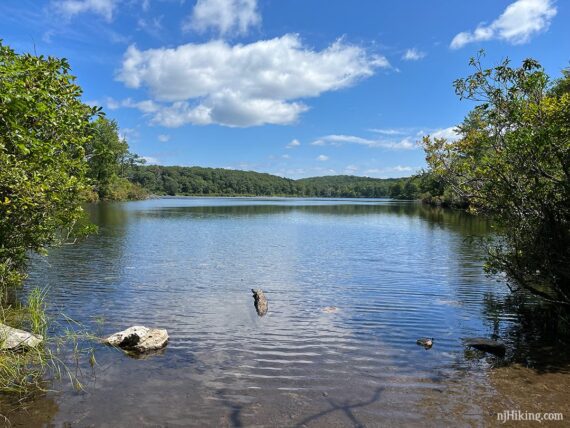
450 133
413 55
294 143
149 160
70 8
517 24
392 171
243 85
164 138
406 143
223 16
322 158
146 106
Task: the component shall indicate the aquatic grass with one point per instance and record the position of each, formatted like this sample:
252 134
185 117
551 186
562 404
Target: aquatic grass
36 309
25 373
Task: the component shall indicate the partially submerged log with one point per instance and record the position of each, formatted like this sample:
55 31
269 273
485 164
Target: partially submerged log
139 339
260 302
13 339
494 347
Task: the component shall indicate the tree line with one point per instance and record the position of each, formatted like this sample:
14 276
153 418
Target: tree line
198 181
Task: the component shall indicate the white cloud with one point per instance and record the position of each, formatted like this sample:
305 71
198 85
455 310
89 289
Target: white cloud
413 55
406 143
150 160
392 171
224 16
128 134
294 143
322 158
146 106
517 24
447 133
164 138
151 26
387 131
286 156
243 85
351 169
70 8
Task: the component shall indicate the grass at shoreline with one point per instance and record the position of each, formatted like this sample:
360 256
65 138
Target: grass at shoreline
21 372
25 373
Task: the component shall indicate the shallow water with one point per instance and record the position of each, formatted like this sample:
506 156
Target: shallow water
396 271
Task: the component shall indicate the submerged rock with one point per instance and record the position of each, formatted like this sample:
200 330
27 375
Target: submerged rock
13 339
495 347
260 302
139 338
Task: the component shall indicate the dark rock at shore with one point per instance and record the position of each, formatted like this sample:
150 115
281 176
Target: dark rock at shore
494 347
260 302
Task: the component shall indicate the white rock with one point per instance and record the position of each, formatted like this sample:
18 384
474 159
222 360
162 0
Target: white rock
13 339
139 338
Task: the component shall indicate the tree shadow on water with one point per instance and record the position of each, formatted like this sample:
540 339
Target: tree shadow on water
235 409
344 407
537 334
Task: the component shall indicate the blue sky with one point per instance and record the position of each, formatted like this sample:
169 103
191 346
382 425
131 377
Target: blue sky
291 87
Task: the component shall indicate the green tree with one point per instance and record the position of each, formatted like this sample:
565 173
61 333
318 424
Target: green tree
44 128
395 190
105 153
513 161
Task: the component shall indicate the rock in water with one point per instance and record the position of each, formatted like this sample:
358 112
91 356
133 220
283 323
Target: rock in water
260 302
426 342
487 345
12 339
139 338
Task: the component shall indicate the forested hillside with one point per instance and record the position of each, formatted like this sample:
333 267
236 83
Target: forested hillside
176 180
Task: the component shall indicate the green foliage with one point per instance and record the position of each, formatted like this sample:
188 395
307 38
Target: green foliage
513 161
121 189
172 180
44 128
347 186
108 158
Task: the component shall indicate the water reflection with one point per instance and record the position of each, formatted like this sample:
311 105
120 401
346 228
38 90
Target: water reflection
538 337
396 271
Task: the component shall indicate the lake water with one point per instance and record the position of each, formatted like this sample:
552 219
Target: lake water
396 271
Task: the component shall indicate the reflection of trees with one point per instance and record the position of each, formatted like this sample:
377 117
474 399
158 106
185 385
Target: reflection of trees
38 411
342 209
455 220
74 272
537 334
108 214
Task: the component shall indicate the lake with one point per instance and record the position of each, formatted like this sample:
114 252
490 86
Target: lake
395 270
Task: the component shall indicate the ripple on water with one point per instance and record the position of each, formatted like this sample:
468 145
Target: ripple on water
188 265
